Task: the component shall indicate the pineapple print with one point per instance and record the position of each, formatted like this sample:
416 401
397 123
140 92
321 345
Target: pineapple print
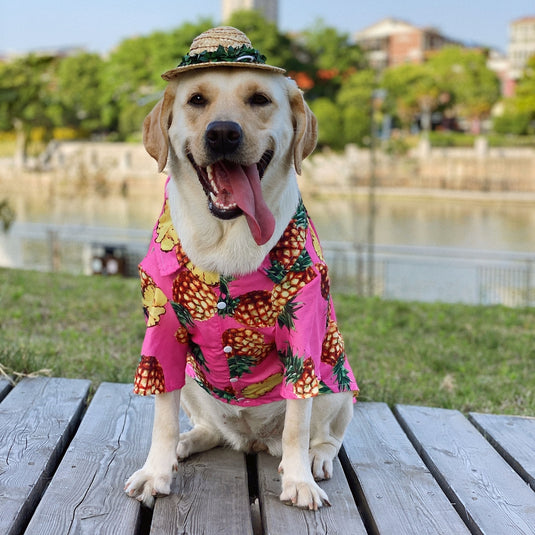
149 377
308 384
333 345
289 248
254 309
166 234
181 256
193 300
334 355
196 360
325 280
248 349
257 390
153 299
182 335
226 304
300 372
283 296
227 394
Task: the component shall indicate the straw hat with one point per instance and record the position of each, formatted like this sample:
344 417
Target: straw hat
221 47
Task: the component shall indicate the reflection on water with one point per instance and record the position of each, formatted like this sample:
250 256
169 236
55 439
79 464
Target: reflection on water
428 222
134 211
436 222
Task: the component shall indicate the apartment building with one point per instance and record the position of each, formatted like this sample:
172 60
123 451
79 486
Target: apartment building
393 41
521 45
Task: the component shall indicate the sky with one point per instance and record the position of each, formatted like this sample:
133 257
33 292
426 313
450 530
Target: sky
98 26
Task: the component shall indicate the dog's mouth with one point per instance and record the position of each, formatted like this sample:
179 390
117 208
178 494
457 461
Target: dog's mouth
233 189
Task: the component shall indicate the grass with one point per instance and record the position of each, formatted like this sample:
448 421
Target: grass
454 356
471 358
74 326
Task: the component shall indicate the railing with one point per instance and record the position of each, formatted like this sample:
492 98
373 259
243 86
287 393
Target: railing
73 248
398 272
433 273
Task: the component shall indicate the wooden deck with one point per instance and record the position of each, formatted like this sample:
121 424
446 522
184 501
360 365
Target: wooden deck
414 470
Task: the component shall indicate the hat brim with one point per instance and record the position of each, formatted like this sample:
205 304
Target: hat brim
173 73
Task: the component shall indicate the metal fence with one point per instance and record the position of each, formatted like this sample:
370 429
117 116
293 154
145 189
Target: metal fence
433 274
391 272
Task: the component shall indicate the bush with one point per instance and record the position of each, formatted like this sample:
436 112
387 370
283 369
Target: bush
329 123
512 123
451 139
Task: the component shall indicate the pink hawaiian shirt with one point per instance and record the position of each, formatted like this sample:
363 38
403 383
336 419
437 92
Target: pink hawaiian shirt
248 340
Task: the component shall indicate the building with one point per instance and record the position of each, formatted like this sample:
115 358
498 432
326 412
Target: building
268 8
521 45
393 41
497 61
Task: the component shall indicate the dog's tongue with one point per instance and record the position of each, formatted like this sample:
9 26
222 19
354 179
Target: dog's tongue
244 183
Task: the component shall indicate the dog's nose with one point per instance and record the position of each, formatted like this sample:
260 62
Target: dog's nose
223 137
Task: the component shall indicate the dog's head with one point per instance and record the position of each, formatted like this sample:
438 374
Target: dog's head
239 130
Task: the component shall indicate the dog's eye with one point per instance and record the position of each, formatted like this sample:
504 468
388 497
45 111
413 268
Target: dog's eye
197 100
258 99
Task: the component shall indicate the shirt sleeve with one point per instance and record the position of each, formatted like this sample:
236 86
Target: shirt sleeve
162 340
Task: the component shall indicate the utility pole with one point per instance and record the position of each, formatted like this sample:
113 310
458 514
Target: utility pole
378 97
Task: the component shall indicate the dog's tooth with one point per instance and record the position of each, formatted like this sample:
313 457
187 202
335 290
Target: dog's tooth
210 173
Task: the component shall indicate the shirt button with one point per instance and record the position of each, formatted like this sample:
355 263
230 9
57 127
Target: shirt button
221 305
227 349
233 379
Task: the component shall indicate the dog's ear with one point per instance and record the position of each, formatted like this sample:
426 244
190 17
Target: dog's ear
305 127
156 126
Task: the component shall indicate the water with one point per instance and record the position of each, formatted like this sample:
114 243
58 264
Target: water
441 244
428 222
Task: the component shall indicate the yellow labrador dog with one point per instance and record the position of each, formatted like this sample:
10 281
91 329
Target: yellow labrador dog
247 296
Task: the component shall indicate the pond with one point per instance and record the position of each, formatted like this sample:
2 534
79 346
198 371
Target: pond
65 233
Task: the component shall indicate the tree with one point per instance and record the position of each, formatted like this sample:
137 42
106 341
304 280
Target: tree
411 91
26 86
525 94
355 102
131 79
77 95
332 56
330 124
518 116
264 35
471 86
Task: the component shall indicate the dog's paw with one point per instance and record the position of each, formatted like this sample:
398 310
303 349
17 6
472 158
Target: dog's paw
145 485
198 439
184 449
321 461
305 494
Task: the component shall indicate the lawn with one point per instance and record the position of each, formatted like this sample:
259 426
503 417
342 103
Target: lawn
455 356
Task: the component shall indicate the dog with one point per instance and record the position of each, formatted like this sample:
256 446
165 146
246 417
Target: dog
241 331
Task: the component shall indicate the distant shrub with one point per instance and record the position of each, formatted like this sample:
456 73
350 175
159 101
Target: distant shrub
451 139
512 123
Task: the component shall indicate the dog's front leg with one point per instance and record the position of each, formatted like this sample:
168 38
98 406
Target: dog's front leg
298 485
155 477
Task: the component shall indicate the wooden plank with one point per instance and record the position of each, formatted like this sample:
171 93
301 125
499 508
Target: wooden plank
278 518
488 493
513 437
209 495
37 420
398 493
86 494
5 387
